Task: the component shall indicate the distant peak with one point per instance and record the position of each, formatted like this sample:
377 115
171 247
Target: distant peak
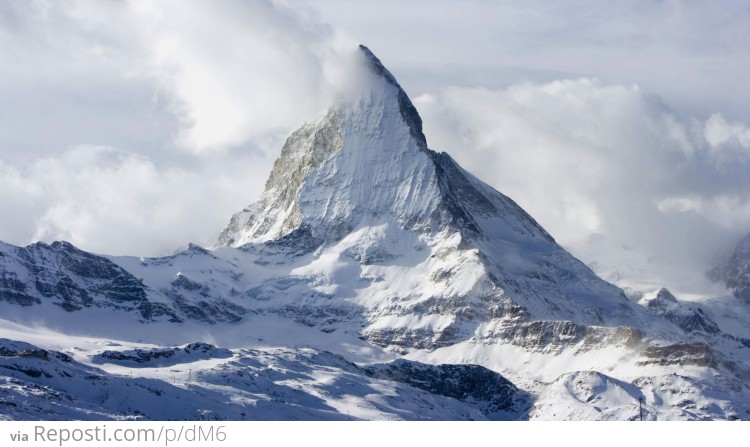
743 247
665 294
407 109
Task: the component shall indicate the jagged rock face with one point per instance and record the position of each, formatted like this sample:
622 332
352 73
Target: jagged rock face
278 212
557 336
699 354
71 279
689 318
74 280
735 273
359 161
492 393
162 357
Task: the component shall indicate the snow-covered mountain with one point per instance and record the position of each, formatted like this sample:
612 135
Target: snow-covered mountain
201 382
735 272
366 247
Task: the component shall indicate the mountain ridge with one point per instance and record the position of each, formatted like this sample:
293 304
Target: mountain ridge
370 245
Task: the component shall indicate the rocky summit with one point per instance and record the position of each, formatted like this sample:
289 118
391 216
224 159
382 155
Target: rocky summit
373 279
735 272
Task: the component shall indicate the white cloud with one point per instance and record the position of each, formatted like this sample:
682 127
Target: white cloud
587 157
137 126
731 211
719 132
693 53
202 76
109 201
580 140
234 69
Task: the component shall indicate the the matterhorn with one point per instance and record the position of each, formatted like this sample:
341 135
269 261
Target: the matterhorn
374 279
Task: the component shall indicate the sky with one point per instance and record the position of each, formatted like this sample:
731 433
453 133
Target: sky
134 127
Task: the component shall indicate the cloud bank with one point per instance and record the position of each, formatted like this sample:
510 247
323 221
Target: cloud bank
691 52
135 127
222 72
114 202
589 158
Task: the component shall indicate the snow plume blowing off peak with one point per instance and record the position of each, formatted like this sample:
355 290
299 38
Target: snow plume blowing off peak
364 161
359 157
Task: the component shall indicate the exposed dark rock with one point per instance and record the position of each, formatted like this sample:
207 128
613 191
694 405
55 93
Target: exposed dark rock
556 336
408 111
70 278
688 317
183 282
698 354
489 391
735 272
74 280
209 311
322 314
38 353
163 356
424 338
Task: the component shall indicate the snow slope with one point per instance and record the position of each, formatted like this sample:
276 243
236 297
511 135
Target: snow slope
248 384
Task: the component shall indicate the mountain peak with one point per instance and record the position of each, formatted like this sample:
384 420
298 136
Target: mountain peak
406 108
376 66
366 163
735 272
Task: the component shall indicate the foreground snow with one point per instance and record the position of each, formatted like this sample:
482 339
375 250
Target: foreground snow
201 382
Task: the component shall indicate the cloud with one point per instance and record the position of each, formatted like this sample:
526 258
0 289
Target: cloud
133 127
201 76
235 70
68 77
720 134
693 53
586 157
113 202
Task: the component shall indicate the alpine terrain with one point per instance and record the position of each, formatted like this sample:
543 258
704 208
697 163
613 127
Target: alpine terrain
374 279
